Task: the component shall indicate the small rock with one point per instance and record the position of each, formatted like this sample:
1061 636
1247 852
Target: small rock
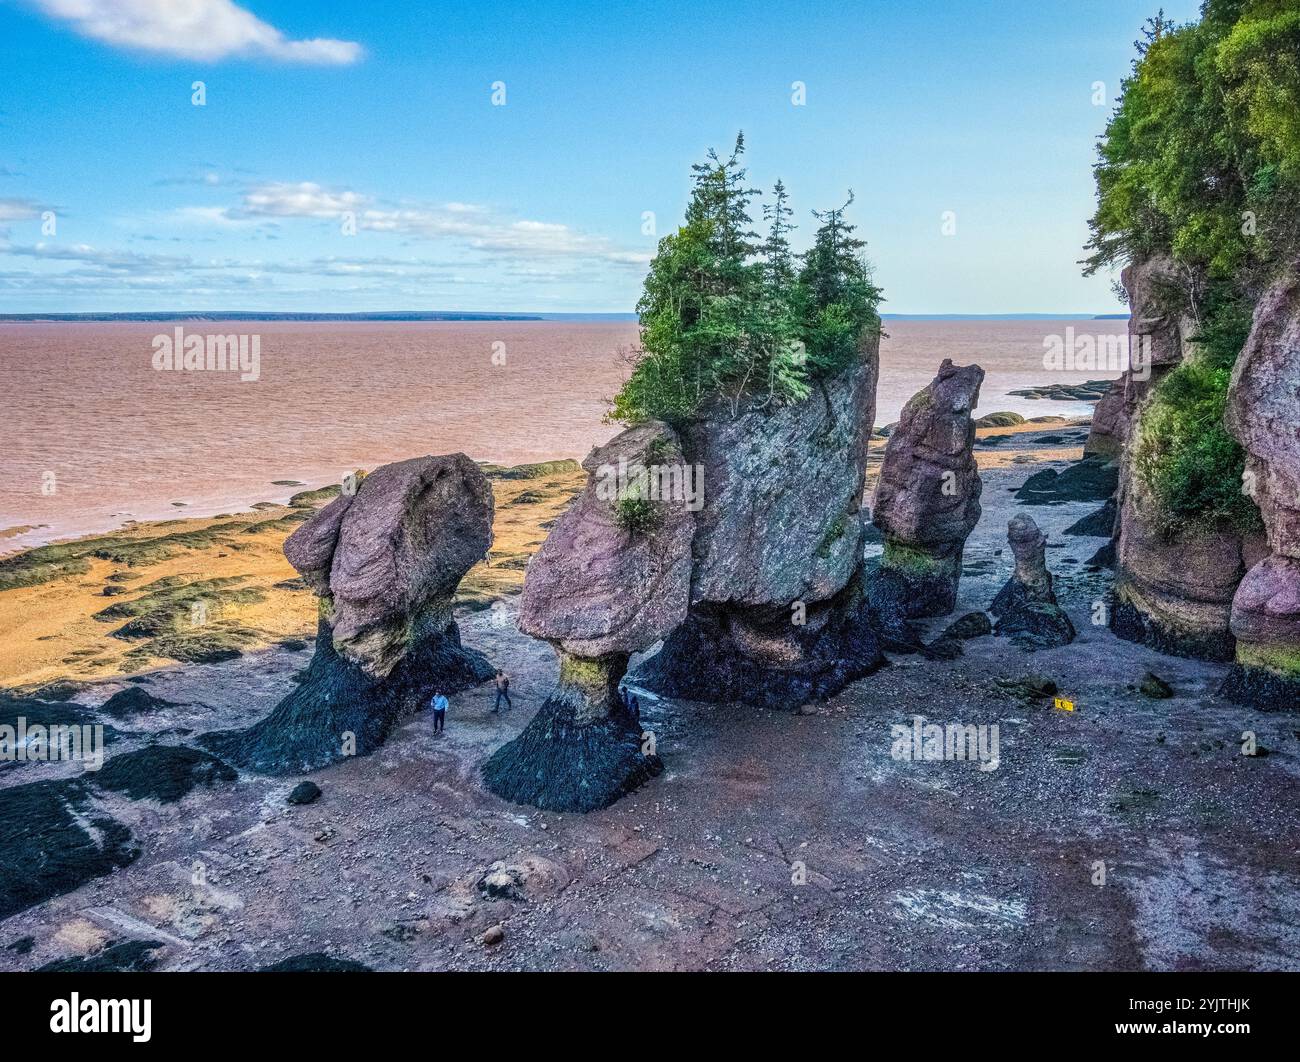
1030 686
1153 686
501 882
494 935
305 793
971 625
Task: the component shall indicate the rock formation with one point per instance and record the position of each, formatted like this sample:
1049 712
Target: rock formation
1172 591
1026 606
1263 413
611 579
777 614
927 499
1109 423
385 562
1157 341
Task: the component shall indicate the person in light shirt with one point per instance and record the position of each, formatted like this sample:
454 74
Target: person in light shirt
439 704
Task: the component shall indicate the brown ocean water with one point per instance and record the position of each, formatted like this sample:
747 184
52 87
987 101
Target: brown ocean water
85 411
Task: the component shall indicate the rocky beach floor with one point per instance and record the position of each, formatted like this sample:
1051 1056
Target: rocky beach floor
773 840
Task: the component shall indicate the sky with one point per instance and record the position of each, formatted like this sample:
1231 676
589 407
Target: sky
343 156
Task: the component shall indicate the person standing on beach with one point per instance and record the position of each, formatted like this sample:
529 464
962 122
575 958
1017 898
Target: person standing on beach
503 691
439 704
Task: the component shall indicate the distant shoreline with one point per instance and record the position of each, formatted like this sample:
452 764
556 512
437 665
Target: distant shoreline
467 315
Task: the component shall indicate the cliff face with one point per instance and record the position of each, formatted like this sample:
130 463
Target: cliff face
783 487
597 587
1172 591
1157 336
1175 593
1263 414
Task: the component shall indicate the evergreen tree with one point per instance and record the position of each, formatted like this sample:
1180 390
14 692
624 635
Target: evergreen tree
1152 30
837 298
726 317
776 249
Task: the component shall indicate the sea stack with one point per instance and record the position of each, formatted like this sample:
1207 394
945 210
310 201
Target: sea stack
777 613
1026 606
385 561
927 499
1261 414
611 579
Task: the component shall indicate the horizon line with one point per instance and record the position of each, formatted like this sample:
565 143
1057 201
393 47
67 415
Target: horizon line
418 315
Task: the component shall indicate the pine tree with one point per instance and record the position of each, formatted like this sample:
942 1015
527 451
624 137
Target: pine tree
836 297
1152 30
726 317
776 249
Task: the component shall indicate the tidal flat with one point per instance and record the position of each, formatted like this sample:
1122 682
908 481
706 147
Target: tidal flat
1128 833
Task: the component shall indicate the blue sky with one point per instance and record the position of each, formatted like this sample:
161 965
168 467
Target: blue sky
384 112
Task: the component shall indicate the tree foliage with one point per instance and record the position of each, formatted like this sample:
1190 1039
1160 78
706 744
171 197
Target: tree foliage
1202 155
1201 161
724 315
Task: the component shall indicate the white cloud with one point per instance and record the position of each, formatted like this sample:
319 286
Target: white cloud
304 199
203 216
475 226
207 30
478 249
107 260
18 209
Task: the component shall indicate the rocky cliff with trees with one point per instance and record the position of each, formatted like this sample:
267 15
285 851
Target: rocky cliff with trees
1198 194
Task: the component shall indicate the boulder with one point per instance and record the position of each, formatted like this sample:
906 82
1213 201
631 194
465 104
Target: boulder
999 420
927 498
307 792
1026 606
611 579
777 613
386 562
1266 624
1100 524
948 646
1088 480
1153 686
